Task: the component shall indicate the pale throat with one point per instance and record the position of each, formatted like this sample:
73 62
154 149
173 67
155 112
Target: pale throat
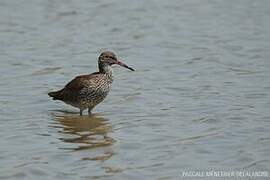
106 69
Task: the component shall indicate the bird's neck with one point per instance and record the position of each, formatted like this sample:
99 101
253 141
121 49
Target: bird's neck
105 69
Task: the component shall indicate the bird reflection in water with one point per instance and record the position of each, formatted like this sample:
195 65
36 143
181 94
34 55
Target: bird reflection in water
87 132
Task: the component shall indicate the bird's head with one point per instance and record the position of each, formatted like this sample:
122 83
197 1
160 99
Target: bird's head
109 58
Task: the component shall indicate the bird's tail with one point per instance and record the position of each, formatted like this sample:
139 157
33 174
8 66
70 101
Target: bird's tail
55 94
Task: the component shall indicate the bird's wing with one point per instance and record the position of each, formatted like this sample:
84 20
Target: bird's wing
72 90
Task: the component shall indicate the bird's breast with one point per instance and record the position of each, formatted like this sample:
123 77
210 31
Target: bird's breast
96 90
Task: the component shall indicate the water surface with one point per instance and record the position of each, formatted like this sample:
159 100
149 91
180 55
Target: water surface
199 98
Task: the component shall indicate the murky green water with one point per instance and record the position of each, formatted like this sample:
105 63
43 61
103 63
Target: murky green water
199 98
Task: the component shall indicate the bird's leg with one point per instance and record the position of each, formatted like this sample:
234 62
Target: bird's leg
89 112
81 111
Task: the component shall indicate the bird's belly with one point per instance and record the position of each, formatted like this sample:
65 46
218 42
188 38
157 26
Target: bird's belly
89 99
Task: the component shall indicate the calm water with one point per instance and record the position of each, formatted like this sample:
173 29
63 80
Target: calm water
199 98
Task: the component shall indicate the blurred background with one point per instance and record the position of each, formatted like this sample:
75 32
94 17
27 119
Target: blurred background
198 100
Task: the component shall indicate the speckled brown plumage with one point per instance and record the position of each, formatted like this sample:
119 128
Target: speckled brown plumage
86 91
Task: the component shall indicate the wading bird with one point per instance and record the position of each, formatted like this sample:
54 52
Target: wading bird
87 91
